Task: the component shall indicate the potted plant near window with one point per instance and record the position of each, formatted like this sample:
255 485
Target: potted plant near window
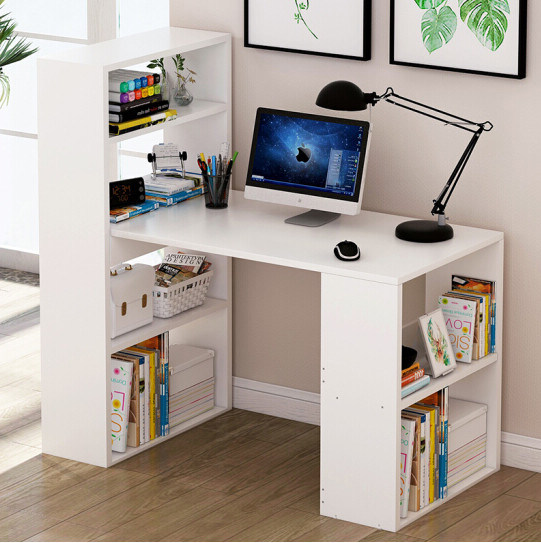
12 49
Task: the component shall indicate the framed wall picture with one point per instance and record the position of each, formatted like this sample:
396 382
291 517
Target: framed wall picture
439 350
334 29
486 37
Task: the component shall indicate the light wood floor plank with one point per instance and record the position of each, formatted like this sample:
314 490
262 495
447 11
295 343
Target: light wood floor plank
528 530
336 530
275 462
155 525
491 521
466 503
285 525
239 513
530 489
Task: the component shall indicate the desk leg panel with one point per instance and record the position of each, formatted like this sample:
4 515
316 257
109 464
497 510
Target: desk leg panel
361 335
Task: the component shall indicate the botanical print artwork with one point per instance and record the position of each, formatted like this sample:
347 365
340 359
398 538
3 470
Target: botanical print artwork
339 28
487 19
299 17
438 343
476 36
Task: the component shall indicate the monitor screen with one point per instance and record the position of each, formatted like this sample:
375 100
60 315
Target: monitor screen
312 155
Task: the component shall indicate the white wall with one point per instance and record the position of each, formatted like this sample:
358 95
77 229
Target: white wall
410 160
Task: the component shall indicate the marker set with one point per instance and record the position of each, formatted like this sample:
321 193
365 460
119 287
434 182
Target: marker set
129 85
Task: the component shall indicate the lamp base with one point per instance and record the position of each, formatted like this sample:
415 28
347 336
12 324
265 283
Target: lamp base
423 231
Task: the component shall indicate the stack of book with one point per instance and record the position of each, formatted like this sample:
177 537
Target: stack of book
127 212
169 189
428 422
149 401
191 389
469 309
467 439
413 378
136 101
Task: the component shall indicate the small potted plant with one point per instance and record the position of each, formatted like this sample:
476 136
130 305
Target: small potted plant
158 63
182 95
11 50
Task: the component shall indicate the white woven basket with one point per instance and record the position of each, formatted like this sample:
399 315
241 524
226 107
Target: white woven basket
169 301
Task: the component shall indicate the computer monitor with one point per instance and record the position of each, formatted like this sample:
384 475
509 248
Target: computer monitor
309 161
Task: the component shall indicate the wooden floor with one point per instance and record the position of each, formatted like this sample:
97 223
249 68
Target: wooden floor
240 477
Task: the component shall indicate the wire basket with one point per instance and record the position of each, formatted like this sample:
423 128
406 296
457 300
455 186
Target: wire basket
169 301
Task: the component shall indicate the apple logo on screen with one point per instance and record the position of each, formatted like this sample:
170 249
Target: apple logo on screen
304 153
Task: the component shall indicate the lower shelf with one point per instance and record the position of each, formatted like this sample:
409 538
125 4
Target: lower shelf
133 451
454 491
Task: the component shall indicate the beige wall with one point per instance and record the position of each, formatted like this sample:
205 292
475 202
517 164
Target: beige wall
276 340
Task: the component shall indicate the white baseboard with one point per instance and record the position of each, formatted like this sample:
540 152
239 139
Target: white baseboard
521 452
516 451
283 402
19 260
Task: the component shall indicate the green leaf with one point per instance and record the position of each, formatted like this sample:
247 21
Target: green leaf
487 20
427 4
438 27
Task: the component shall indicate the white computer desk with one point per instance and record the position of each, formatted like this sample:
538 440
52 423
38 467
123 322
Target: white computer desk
361 330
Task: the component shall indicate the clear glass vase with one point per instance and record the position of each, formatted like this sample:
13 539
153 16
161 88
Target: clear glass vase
182 96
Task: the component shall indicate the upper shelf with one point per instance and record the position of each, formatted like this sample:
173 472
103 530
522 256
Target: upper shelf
198 109
129 50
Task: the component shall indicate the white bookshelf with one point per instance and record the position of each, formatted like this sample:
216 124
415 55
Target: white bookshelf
77 160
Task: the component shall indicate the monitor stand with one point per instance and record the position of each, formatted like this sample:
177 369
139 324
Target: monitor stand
314 217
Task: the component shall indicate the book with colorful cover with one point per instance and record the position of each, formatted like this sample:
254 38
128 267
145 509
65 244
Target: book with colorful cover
460 318
413 376
121 384
118 107
406 455
161 342
437 344
441 399
153 359
414 502
127 212
141 111
116 129
434 447
173 199
483 286
484 309
414 386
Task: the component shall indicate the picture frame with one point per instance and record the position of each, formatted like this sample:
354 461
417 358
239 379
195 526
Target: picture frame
439 351
320 28
461 37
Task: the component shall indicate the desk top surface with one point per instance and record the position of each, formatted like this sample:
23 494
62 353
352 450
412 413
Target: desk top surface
256 231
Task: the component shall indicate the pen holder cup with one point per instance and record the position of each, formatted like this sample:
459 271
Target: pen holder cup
216 190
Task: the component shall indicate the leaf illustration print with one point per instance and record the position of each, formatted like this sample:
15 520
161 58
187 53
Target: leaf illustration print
438 27
487 20
303 6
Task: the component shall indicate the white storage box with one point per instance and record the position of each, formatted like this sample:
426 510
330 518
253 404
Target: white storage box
191 382
467 440
131 297
467 421
188 366
169 301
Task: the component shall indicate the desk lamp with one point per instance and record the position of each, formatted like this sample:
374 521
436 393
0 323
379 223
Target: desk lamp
346 96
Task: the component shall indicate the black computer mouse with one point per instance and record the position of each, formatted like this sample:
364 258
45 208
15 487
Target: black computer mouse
347 250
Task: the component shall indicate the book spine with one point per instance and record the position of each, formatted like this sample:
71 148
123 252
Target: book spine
117 107
444 443
416 385
413 376
141 111
174 198
150 206
117 129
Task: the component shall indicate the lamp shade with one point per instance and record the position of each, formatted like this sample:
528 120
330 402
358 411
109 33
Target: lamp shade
343 96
